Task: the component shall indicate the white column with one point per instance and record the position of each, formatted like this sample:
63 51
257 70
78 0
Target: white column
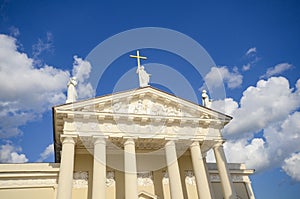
226 181
131 191
200 172
65 180
99 168
208 177
173 171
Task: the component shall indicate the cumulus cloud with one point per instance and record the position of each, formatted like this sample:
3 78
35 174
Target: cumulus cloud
25 91
278 69
81 70
219 76
291 166
11 154
271 108
269 101
46 153
227 106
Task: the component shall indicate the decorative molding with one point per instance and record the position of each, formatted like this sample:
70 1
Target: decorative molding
234 177
110 178
28 182
237 178
145 179
190 177
215 178
80 179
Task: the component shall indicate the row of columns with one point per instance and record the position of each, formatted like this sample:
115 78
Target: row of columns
131 191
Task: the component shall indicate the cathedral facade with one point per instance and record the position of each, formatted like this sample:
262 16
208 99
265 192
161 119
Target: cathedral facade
137 144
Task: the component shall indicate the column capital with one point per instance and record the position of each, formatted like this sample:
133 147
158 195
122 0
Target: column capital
64 138
195 143
129 140
219 144
169 143
99 139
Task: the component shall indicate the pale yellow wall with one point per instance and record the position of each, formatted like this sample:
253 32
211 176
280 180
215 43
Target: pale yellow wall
157 179
79 193
185 164
28 193
84 162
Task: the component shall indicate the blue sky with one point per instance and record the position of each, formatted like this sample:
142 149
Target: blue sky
254 45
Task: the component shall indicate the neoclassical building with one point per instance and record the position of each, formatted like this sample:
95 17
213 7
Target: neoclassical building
138 144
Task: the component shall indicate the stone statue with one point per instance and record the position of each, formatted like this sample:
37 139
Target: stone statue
71 93
205 99
144 77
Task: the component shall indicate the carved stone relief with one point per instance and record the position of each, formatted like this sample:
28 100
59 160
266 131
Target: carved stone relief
110 178
145 179
235 178
190 178
80 179
165 179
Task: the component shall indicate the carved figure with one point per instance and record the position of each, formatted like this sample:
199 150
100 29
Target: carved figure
71 93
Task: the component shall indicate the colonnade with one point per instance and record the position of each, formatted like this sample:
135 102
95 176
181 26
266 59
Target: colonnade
130 170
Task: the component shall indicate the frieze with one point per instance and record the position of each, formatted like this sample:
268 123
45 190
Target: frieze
144 106
234 177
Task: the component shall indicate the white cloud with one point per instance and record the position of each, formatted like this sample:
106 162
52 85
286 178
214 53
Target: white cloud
227 106
291 166
246 67
46 153
81 70
42 46
10 154
251 51
272 108
253 154
270 101
218 76
25 91
278 69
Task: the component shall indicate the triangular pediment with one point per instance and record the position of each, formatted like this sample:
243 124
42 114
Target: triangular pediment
141 113
141 102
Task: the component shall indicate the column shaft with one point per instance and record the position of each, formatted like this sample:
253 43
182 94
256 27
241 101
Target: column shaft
173 171
65 180
200 172
131 191
226 180
99 169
